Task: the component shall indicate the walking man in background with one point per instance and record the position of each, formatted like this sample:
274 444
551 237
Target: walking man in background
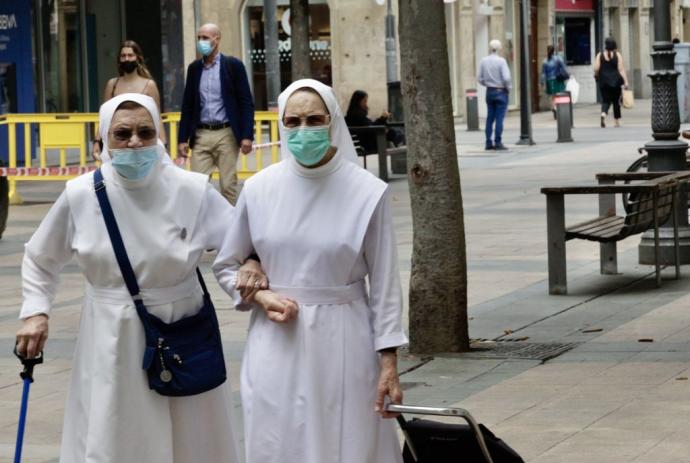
495 76
217 112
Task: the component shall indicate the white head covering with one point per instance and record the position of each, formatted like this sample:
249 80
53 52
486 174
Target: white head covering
340 135
107 111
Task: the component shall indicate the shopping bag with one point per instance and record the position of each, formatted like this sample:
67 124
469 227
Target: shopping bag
628 99
573 87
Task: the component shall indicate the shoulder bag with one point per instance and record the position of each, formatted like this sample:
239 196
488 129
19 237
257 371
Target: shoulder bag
181 358
561 72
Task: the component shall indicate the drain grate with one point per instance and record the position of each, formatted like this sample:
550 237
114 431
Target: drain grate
519 350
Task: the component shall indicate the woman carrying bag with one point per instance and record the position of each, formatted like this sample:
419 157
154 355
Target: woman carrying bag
553 75
116 410
609 73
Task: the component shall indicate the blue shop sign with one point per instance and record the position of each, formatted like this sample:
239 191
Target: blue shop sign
16 67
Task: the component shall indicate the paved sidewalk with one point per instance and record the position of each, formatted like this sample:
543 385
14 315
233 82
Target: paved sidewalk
609 399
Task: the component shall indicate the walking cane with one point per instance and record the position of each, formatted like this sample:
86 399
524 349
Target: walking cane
27 376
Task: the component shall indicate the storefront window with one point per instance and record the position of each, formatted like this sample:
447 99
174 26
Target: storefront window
61 50
173 61
320 45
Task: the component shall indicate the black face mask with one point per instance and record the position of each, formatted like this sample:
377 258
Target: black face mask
128 66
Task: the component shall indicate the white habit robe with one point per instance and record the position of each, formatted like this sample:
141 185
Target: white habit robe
167 220
309 386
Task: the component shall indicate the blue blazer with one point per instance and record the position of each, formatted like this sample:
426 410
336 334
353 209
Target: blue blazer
237 97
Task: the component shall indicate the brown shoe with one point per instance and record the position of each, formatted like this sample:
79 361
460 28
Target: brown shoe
686 134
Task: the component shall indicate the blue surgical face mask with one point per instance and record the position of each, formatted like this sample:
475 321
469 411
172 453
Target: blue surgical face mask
134 163
309 145
204 47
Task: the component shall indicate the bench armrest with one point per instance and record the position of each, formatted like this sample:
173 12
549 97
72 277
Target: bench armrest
623 176
597 189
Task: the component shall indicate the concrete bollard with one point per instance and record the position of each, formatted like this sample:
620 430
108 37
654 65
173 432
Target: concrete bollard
563 117
472 110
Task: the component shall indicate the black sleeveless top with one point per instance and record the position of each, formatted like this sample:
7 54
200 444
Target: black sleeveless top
608 71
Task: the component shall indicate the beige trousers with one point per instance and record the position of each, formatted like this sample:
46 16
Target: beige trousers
217 148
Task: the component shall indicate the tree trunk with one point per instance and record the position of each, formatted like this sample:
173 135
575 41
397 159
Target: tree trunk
301 62
438 284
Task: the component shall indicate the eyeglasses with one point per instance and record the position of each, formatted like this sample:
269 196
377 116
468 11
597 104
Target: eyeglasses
313 120
144 133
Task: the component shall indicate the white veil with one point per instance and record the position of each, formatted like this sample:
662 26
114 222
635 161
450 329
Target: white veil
340 135
107 111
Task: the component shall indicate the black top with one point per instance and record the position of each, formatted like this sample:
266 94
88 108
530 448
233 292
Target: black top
358 118
608 71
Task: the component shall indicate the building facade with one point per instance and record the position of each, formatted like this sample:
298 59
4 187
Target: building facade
57 55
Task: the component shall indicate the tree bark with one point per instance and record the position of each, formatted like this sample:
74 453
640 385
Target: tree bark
438 284
301 62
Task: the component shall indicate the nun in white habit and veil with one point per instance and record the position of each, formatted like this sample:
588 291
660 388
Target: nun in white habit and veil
309 385
167 219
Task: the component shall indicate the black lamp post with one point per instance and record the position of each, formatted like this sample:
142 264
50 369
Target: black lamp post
666 152
525 82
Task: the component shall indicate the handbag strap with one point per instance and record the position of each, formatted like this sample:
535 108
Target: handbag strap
119 246
115 236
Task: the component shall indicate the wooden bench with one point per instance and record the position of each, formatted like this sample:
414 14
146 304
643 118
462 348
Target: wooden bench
398 155
651 200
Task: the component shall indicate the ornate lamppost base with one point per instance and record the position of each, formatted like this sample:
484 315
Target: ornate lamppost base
667 156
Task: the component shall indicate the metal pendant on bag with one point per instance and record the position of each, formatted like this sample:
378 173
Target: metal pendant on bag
166 376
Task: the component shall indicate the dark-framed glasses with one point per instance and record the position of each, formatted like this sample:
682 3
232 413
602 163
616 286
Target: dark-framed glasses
312 120
144 133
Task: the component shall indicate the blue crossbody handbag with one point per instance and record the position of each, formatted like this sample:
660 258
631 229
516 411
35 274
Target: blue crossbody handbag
181 358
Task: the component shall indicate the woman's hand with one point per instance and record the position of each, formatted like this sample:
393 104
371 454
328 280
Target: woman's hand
389 384
32 336
279 309
250 279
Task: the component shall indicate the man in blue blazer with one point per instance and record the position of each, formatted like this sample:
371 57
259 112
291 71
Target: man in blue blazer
217 112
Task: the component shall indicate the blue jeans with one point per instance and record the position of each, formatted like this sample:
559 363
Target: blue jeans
497 103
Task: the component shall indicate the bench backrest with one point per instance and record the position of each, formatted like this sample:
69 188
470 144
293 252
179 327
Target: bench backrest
641 212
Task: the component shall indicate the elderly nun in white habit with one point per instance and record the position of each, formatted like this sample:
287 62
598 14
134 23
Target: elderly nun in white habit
167 217
320 344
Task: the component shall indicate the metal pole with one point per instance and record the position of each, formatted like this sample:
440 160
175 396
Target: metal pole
525 97
599 36
83 50
272 54
391 52
666 152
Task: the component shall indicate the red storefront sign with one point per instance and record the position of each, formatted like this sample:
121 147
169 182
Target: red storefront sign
576 5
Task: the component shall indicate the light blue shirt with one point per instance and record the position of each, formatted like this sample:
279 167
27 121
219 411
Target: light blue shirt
211 97
494 72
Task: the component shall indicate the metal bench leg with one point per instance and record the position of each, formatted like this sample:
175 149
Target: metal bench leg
656 241
676 244
608 258
555 231
383 161
607 251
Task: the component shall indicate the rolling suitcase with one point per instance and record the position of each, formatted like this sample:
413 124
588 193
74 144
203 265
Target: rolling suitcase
429 441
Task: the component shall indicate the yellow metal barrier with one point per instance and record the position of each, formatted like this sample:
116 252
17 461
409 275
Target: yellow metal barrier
265 122
55 131
58 131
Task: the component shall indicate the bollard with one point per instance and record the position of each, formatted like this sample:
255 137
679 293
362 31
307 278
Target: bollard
572 119
562 102
472 110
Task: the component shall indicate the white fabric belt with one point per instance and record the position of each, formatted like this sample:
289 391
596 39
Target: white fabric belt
152 296
324 294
